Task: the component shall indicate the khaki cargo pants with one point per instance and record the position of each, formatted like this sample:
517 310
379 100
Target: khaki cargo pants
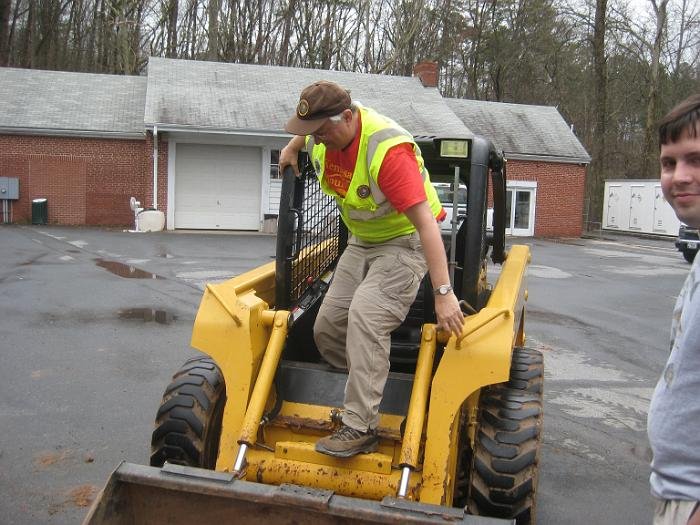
673 511
372 290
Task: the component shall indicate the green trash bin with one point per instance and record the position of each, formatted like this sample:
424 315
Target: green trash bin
40 211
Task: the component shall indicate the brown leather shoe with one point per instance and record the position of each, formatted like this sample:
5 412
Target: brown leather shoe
347 442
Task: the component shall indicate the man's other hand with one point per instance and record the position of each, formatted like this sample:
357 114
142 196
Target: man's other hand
449 314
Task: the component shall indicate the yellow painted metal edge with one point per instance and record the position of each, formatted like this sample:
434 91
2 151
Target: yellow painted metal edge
264 467
482 357
417 407
233 326
305 452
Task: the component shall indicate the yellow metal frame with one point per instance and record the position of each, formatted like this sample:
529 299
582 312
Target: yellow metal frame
481 357
233 326
237 328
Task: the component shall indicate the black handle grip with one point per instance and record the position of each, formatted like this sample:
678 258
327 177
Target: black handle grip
299 220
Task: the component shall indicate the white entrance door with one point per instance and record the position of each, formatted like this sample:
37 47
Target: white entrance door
615 206
217 187
637 206
520 211
665 220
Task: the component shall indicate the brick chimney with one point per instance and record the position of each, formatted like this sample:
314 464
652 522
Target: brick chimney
427 72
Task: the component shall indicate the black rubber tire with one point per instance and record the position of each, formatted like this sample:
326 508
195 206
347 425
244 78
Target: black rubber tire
188 423
689 255
503 467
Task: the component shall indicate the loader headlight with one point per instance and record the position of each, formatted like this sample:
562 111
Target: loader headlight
454 148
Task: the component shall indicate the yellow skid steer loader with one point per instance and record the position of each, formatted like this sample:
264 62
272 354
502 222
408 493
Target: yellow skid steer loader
461 418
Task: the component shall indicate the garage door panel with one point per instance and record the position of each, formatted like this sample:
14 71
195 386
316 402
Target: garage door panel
217 186
217 221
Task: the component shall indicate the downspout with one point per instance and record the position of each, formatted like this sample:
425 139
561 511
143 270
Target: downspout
155 167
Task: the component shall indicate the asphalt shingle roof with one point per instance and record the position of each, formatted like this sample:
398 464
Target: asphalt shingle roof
519 129
244 97
71 103
223 97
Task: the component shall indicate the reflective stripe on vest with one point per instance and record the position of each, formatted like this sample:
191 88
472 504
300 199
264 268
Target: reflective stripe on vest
373 143
373 218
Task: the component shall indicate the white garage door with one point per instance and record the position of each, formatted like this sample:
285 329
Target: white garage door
217 187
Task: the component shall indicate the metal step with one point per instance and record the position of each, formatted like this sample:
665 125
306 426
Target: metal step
321 384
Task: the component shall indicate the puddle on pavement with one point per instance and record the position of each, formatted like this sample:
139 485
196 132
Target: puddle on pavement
147 315
126 270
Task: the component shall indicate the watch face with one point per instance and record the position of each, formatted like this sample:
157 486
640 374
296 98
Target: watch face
444 289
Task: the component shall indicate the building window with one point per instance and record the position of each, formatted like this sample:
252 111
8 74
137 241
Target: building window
275 164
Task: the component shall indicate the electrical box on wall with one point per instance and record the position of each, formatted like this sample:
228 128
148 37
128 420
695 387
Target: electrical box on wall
9 188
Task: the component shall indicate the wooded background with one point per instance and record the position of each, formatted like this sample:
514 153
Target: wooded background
612 68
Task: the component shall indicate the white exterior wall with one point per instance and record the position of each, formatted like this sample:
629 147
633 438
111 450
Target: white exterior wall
638 206
274 196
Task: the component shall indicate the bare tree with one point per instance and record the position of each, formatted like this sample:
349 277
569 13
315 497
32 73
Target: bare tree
213 30
661 12
596 175
171 15
27 45
683 51
5 11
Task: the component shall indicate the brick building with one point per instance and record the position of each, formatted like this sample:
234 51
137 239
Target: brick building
85 143
77 140
546 164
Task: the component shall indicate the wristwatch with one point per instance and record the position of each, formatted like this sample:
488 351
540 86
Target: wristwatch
443 289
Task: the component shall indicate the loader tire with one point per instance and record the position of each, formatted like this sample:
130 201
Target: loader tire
505 459
188 423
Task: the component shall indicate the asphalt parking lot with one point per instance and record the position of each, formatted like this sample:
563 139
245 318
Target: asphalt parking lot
94 322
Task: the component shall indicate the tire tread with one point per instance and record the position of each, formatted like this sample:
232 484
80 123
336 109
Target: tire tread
188 421
505 459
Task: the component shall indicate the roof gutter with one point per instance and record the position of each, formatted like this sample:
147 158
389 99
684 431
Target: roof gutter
55 132
547 158
175 128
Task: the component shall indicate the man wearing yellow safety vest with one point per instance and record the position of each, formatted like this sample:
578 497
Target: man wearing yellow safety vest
373 168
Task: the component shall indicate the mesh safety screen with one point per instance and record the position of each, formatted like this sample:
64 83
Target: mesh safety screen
317 235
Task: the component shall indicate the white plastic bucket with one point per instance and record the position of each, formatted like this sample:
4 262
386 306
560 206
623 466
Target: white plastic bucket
151 221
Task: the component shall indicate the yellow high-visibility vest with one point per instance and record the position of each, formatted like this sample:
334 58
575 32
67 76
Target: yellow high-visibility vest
365 209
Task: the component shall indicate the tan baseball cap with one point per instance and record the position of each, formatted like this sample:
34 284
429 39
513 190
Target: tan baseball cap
317 102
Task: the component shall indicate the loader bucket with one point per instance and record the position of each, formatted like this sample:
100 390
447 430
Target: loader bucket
137 494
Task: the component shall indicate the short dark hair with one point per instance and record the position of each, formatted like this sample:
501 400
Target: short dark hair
684 117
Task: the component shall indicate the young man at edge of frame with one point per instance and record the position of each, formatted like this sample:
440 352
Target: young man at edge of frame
674 414
373 169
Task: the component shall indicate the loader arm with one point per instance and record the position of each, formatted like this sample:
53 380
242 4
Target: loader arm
234 311
482 357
